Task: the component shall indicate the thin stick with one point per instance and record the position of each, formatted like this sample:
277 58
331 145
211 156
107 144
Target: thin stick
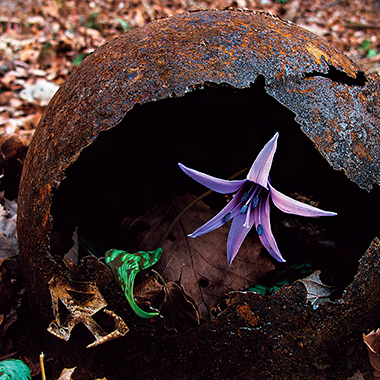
191 204
42 365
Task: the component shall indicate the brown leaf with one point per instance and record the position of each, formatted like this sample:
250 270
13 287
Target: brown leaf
35 368
372 340
8 232
66 374
149 292
180 311
201 263
317 292
357 376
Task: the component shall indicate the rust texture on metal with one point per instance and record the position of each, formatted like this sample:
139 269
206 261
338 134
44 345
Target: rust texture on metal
169 58
278 337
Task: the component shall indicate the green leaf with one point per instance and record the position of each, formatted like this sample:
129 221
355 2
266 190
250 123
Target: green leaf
372 53
365 45
124 24
125 267
79 58
14 369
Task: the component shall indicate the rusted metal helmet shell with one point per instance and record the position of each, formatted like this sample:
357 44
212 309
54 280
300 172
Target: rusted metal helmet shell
167 59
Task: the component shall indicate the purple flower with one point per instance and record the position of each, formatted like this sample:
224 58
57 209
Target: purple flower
250 205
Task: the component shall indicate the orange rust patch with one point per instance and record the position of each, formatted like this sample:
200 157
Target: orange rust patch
245 312
361 151
315 52
44 192
335 59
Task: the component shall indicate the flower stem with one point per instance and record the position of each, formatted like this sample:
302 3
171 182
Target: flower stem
191 204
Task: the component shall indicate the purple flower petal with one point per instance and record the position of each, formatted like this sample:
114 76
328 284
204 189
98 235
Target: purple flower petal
259 171
291 206
236 236
222 186
219 219
262 217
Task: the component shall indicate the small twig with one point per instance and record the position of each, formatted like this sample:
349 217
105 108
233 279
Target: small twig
191 204
42 365
159 277
361 26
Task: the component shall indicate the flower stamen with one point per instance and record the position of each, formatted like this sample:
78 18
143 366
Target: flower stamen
243 209
227 217
245 197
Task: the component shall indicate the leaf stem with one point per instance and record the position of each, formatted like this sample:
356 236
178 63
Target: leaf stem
191 204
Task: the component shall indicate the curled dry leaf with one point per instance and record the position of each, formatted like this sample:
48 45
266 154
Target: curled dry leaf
372 340
317 292
180 311
82 300
66 373
201 262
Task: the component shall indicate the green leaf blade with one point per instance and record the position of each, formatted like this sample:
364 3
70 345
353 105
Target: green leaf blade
125 266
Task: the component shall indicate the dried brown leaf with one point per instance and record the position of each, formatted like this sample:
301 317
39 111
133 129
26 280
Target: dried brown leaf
372 340
317 292
180 311
66 373
201 263
8 232
357 376
149 292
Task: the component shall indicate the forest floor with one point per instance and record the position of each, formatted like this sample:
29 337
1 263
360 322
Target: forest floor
42 41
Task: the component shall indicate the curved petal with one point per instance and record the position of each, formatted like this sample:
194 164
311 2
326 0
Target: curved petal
259 171
291 206
262 216
219 219
222 186
236 236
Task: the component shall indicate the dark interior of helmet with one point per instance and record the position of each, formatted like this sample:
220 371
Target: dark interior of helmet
218 130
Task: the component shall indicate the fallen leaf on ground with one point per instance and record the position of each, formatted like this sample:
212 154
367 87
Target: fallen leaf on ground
317 292
180 310
40 92
357 376
8 236
82 300
149 292
201 263
372 340
35 368
66 373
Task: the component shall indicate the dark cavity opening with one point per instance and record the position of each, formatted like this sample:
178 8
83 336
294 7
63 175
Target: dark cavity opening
218 130
341 77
